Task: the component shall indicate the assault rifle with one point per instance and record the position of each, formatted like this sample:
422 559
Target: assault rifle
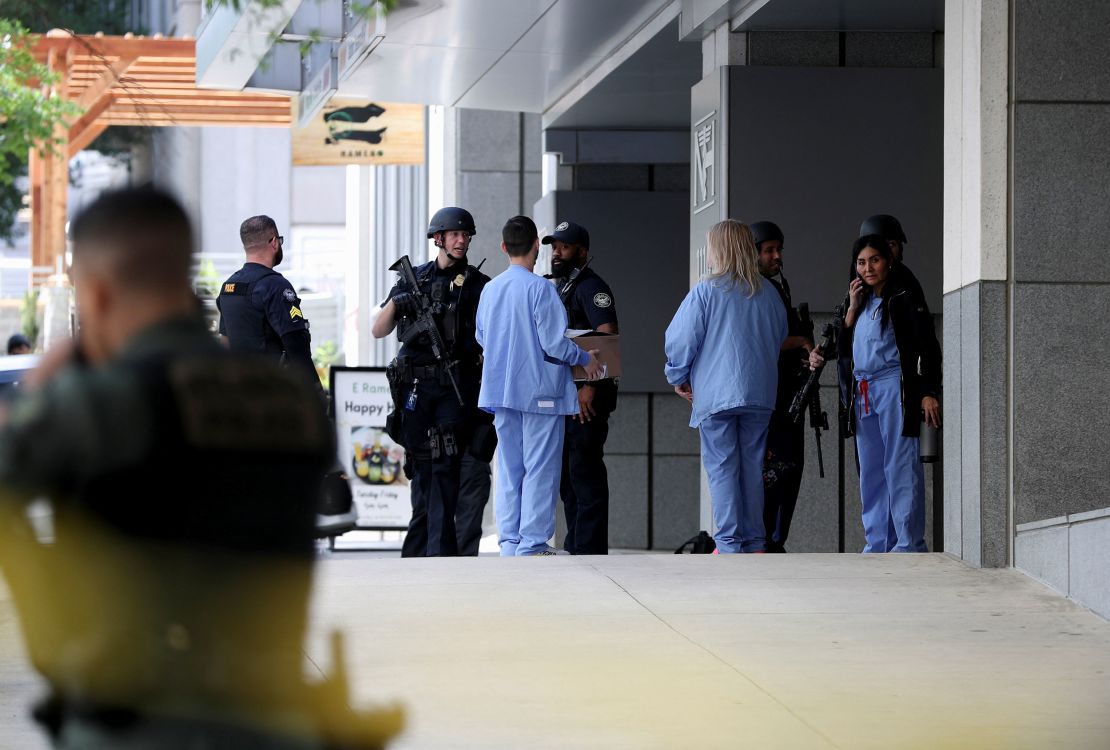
424 321
809 395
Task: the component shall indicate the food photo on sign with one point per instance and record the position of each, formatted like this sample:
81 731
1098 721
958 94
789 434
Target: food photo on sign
375 457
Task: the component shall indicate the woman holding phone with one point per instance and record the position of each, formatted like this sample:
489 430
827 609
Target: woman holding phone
890 340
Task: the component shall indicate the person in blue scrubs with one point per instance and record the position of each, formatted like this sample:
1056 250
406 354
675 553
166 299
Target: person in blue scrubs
527 385
896 368
722 356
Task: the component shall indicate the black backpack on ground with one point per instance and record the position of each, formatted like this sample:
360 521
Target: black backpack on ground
702 544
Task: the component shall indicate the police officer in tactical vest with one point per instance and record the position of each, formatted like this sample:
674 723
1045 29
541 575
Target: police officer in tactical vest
782 475
436 397
260 312
170 607
584 486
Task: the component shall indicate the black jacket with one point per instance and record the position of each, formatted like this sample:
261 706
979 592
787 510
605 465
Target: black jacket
918 349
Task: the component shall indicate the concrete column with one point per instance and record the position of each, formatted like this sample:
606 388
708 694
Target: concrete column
977 286
1060 167
490 164
720 50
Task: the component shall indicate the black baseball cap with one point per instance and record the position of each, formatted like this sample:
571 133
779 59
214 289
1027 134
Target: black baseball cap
570 233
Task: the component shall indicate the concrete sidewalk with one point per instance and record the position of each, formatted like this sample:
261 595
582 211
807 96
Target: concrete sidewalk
666 651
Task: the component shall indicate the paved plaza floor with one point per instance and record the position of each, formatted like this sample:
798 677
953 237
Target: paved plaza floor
667 651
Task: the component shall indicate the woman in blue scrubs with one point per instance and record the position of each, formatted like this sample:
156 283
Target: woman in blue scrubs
722 356
896 368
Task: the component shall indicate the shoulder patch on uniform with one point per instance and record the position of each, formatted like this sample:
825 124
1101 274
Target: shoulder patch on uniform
295 312
601 299
289 295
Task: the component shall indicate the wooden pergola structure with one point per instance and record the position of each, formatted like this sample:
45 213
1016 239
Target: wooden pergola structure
124 80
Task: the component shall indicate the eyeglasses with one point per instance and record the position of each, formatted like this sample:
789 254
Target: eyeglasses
280 239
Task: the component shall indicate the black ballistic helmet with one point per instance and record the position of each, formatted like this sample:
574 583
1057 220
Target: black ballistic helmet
765 231
452 219
885 226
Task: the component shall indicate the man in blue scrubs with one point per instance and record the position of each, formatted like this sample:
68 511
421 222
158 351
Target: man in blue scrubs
527 385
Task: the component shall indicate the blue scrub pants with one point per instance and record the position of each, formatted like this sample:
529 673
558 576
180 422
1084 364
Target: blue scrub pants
529 462
892 483
733 443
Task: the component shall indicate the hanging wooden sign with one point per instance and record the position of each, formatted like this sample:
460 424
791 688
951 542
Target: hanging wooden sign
354 131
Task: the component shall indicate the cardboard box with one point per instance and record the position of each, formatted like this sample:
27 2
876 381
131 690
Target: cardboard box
608 346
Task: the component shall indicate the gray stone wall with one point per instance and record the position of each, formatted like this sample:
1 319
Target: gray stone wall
1061 147
1061 168
497 175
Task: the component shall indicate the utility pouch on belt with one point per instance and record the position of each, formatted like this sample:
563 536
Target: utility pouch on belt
483 442
395 376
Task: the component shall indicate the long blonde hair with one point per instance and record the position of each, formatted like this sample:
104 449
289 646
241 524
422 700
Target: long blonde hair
732 255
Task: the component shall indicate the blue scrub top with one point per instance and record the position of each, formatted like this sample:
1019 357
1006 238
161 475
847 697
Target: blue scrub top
726 345
874 350
521 326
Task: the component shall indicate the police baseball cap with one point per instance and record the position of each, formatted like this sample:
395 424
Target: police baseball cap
570 233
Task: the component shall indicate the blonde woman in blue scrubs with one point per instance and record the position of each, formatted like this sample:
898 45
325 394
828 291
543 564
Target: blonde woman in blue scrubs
722 356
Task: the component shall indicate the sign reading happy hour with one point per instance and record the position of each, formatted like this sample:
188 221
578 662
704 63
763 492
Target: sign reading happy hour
371 459
353 131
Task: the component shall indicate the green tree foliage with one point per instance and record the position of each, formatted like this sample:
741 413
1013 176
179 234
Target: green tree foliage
29 316
78 16
28 113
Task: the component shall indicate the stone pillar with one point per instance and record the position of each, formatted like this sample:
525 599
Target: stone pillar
1026 165
709 165
977 289
488 163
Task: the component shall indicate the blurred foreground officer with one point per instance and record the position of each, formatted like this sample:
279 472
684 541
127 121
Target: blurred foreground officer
786 437
169 612
585 484
260 313
527 386
890 343
722 355
436 430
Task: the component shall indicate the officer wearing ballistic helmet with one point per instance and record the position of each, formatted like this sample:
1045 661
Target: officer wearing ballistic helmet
435 428
782 475
260 313
890 229
584 486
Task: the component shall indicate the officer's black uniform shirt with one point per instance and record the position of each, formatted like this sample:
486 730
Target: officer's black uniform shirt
589 302
257 307
792 373
456 289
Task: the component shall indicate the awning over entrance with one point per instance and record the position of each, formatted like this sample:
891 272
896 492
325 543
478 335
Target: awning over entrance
125 80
